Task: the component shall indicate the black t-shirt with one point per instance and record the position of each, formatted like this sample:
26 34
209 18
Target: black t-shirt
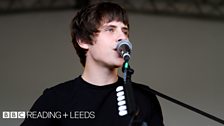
79 103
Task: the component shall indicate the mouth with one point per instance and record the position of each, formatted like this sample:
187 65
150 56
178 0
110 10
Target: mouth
117 53
115 49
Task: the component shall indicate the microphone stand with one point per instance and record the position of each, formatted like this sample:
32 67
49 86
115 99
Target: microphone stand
128 90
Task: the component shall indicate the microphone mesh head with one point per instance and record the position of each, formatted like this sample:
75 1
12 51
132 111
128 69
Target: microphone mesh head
124 42
124 48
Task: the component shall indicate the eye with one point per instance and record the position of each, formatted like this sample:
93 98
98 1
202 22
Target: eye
109 29
126 32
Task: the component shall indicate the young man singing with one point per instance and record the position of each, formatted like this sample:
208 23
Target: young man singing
91 98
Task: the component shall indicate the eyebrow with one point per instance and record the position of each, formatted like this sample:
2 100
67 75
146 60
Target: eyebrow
114 26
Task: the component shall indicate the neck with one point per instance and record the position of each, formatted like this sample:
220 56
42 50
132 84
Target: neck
100 76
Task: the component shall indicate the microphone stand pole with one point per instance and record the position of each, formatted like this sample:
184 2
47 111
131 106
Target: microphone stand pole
128 90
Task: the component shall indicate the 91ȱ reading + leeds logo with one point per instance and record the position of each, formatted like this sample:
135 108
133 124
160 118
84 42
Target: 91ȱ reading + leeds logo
48 115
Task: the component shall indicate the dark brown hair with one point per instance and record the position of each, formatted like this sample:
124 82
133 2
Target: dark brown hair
87 21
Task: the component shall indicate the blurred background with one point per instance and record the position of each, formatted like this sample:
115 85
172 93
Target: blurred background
178 50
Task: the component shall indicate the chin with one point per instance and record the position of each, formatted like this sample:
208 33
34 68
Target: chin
120 64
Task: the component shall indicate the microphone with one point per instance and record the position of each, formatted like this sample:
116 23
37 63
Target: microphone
124 48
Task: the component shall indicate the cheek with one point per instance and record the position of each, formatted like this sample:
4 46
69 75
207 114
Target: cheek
97 52
103 46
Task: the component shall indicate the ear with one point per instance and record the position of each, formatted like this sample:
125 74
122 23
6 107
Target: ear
83 44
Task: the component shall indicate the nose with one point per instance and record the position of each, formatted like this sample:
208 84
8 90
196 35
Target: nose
121 36
121 33
119 40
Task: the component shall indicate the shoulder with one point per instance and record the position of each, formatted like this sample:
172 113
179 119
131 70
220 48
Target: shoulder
148 102
145 93
66 86
59 93
143 88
